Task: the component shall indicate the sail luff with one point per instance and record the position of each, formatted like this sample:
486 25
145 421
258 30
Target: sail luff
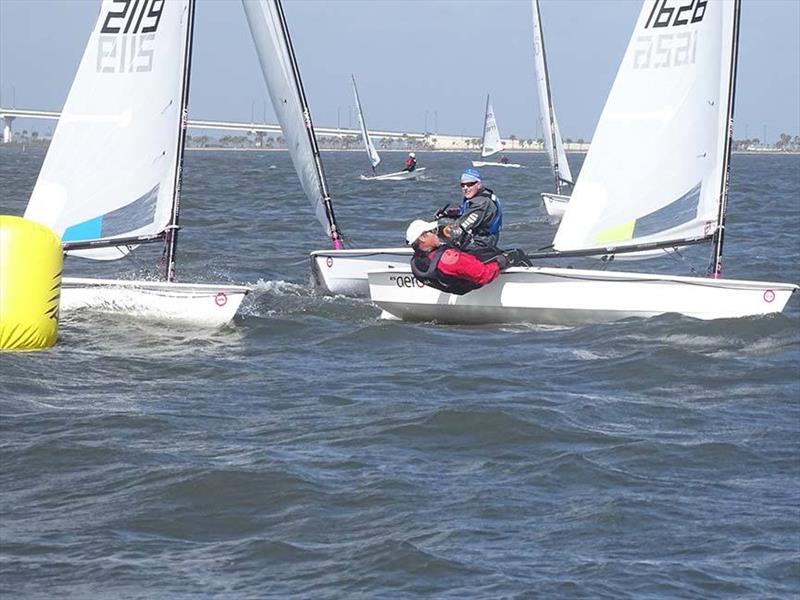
173 228
279 66
312 138
485 118
719 234
372 153
551 133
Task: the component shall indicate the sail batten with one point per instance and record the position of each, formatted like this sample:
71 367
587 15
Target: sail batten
110 168
372 153
671 106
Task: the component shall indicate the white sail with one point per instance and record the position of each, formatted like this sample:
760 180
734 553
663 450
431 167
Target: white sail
655 168
551 134
491 136
274 54
110 169
372 154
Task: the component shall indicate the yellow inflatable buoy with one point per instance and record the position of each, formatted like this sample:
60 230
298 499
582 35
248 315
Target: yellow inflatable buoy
31 260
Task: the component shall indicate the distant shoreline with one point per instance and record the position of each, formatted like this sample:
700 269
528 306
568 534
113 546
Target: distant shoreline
387 151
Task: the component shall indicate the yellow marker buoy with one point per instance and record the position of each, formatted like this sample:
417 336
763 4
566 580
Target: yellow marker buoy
31 260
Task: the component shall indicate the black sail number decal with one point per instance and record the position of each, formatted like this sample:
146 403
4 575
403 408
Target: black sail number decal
666 13
133 16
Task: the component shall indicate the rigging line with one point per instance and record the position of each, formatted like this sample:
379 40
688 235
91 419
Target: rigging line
679 258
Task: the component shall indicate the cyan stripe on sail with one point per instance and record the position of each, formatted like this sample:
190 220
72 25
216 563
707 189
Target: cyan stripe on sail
88 230
682 210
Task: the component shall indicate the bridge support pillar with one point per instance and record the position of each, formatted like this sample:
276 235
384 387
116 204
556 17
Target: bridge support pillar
7 135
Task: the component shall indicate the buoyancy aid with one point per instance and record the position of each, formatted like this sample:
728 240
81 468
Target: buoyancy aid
496 224
425 268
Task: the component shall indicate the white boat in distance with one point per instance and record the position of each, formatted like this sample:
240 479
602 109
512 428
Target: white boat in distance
372 154
555 203
111 179
678 106
396 176
491 142
336 271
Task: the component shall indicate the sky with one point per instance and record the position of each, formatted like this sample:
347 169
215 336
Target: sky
416 62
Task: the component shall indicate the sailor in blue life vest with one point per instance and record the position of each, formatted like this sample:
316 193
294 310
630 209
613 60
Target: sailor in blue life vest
411 162
477 220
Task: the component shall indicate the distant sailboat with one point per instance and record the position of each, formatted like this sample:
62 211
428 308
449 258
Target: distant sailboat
372 153
676 108
556 203
111 179
491 142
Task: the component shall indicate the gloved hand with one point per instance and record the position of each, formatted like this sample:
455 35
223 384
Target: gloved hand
517 258
502 261
441 213
447 212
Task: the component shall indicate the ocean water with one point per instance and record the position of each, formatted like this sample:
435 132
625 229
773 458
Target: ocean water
311 450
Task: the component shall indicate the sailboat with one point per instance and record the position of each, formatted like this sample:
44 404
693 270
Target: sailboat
337 271
111 179
672 99
554 203
491 143
372 154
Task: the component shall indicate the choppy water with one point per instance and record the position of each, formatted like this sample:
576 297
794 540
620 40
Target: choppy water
314 451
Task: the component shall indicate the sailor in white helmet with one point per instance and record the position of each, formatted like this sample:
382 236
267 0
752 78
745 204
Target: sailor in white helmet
411 162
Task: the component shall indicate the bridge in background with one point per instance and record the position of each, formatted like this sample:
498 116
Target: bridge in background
9 114
430 140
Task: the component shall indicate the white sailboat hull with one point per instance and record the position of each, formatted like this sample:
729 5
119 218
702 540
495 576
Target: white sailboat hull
207 305
558 296
555 204
344 272
399 176
481 163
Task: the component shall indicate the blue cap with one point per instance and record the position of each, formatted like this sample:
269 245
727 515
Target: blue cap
470 175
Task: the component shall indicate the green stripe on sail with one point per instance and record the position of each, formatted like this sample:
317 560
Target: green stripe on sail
616 234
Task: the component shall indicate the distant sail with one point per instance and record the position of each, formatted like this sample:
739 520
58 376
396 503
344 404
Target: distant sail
551 134
110 168
656 164
491 136
372 154
272 46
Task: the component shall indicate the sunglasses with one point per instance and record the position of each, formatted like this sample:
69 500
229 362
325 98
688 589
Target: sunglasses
469 184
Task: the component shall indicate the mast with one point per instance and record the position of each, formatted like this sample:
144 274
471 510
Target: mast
550 111
719 235
485 118
336 239
173 227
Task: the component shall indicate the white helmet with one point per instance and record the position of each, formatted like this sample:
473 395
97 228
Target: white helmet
417 228
412 155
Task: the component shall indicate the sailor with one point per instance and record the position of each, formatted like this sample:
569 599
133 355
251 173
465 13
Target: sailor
477 220
411 162
440 265
504 160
